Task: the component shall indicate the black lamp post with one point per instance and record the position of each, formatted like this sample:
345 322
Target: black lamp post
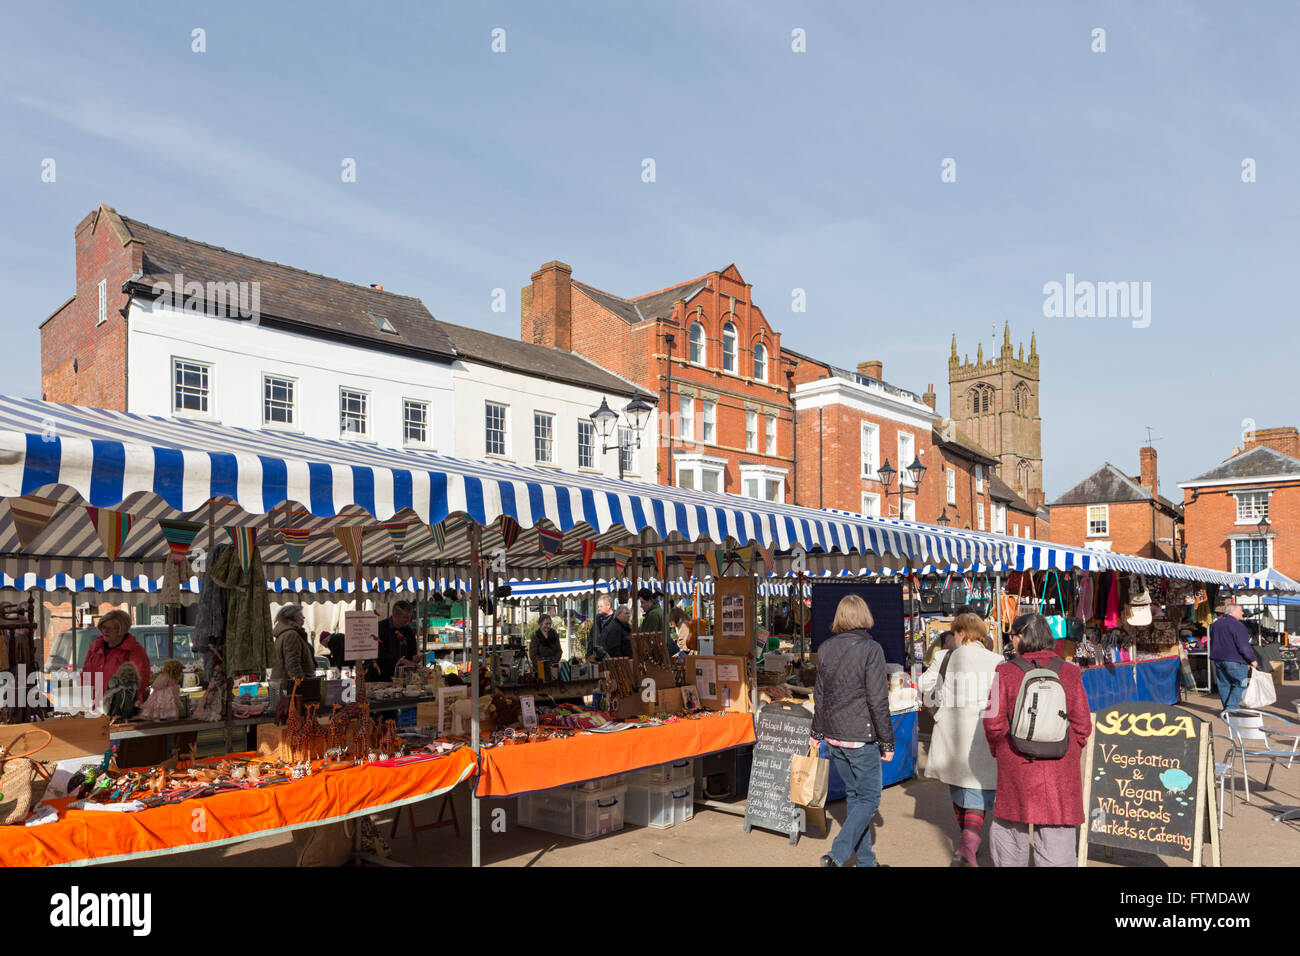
1263 527
943 520
886 473
635 414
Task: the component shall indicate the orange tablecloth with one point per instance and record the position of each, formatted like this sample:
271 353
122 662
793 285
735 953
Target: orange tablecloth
523 768
95 836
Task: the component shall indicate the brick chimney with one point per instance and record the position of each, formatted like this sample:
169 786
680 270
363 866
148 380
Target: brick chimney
1286 440
547 307
1149 480
873 369
930 398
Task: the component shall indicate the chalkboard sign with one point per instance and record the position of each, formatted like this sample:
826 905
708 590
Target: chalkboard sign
1145 784
781 731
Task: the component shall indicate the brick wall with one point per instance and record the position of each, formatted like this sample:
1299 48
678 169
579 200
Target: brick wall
1212 521
1286 440
1130 530
82 361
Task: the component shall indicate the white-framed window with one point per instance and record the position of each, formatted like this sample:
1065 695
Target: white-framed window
729 348
950 478
354 413
701 472
907 511
415 422
906 455
999 518
626 450
771 434
1251 555
495 439
871 504
695 344
191 387
103 302
708 422
760 362
544 438
686 428
586 444
762 482
279 401
1098 521
979 479
870 450
979 516
751 430
1251 506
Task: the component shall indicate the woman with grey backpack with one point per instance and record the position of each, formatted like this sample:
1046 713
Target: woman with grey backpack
1037 726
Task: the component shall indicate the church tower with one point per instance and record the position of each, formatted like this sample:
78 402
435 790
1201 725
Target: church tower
995 402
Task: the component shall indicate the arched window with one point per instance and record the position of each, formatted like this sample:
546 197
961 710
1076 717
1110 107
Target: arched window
729 348
760 362
696 339
981 399
1022 399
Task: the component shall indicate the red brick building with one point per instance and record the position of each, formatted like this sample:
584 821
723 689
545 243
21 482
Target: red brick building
1112 511
741 413
1224 506
706 350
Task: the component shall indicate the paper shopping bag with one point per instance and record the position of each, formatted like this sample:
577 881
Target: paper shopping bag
809 779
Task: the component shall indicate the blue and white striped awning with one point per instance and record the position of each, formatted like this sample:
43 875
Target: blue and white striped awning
160 467
1270 579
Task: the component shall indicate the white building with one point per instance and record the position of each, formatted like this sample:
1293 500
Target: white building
165 325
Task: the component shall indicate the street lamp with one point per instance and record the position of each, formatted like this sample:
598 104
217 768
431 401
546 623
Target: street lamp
1263 527
943 520
886 472
606 420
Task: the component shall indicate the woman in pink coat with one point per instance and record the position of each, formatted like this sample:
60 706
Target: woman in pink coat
1045 792
114 647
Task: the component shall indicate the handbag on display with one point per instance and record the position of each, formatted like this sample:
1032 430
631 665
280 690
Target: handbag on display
981 600
930 595
1139 606
954 597
1054 615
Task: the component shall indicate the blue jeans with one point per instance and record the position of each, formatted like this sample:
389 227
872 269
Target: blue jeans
863 782
1232 678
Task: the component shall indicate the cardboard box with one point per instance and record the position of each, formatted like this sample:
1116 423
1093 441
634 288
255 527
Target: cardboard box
69 737
721 692
669 700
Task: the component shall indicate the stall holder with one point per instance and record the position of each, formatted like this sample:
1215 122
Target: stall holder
81 837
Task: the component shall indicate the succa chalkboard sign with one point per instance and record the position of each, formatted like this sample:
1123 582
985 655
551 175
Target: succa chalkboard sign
1145 787
780 731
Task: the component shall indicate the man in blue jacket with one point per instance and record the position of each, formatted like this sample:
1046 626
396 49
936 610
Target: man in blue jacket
1232 655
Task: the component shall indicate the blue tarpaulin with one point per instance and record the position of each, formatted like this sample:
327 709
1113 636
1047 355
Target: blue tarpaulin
1154 681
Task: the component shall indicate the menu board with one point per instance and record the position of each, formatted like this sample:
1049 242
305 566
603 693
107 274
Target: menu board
1145 786
781 730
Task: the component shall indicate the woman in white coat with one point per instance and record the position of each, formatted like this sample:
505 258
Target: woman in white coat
959 681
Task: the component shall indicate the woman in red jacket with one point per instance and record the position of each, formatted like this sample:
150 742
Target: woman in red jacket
1045 792
113 648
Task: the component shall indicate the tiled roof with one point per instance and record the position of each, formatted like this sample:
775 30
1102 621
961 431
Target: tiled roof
294 296
655 305
999 490
1261 462
537 360
1110 485
948 434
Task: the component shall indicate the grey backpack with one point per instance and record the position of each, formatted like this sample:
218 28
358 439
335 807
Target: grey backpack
1040 722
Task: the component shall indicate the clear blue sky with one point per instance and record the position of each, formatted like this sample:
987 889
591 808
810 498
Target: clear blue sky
818 171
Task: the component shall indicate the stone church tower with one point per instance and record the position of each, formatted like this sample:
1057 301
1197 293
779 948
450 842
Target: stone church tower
995 402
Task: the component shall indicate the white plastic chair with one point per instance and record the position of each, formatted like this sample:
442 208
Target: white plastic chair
1222 771
1244 725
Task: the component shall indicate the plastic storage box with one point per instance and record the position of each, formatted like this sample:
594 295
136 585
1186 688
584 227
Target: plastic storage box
660 806
574 813
679 772
601 785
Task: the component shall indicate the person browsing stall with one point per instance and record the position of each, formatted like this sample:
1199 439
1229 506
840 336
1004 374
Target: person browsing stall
544 645
294 658
652 614
397 643
1232 655
852 715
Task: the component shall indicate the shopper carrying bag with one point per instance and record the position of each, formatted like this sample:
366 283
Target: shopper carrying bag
810 776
